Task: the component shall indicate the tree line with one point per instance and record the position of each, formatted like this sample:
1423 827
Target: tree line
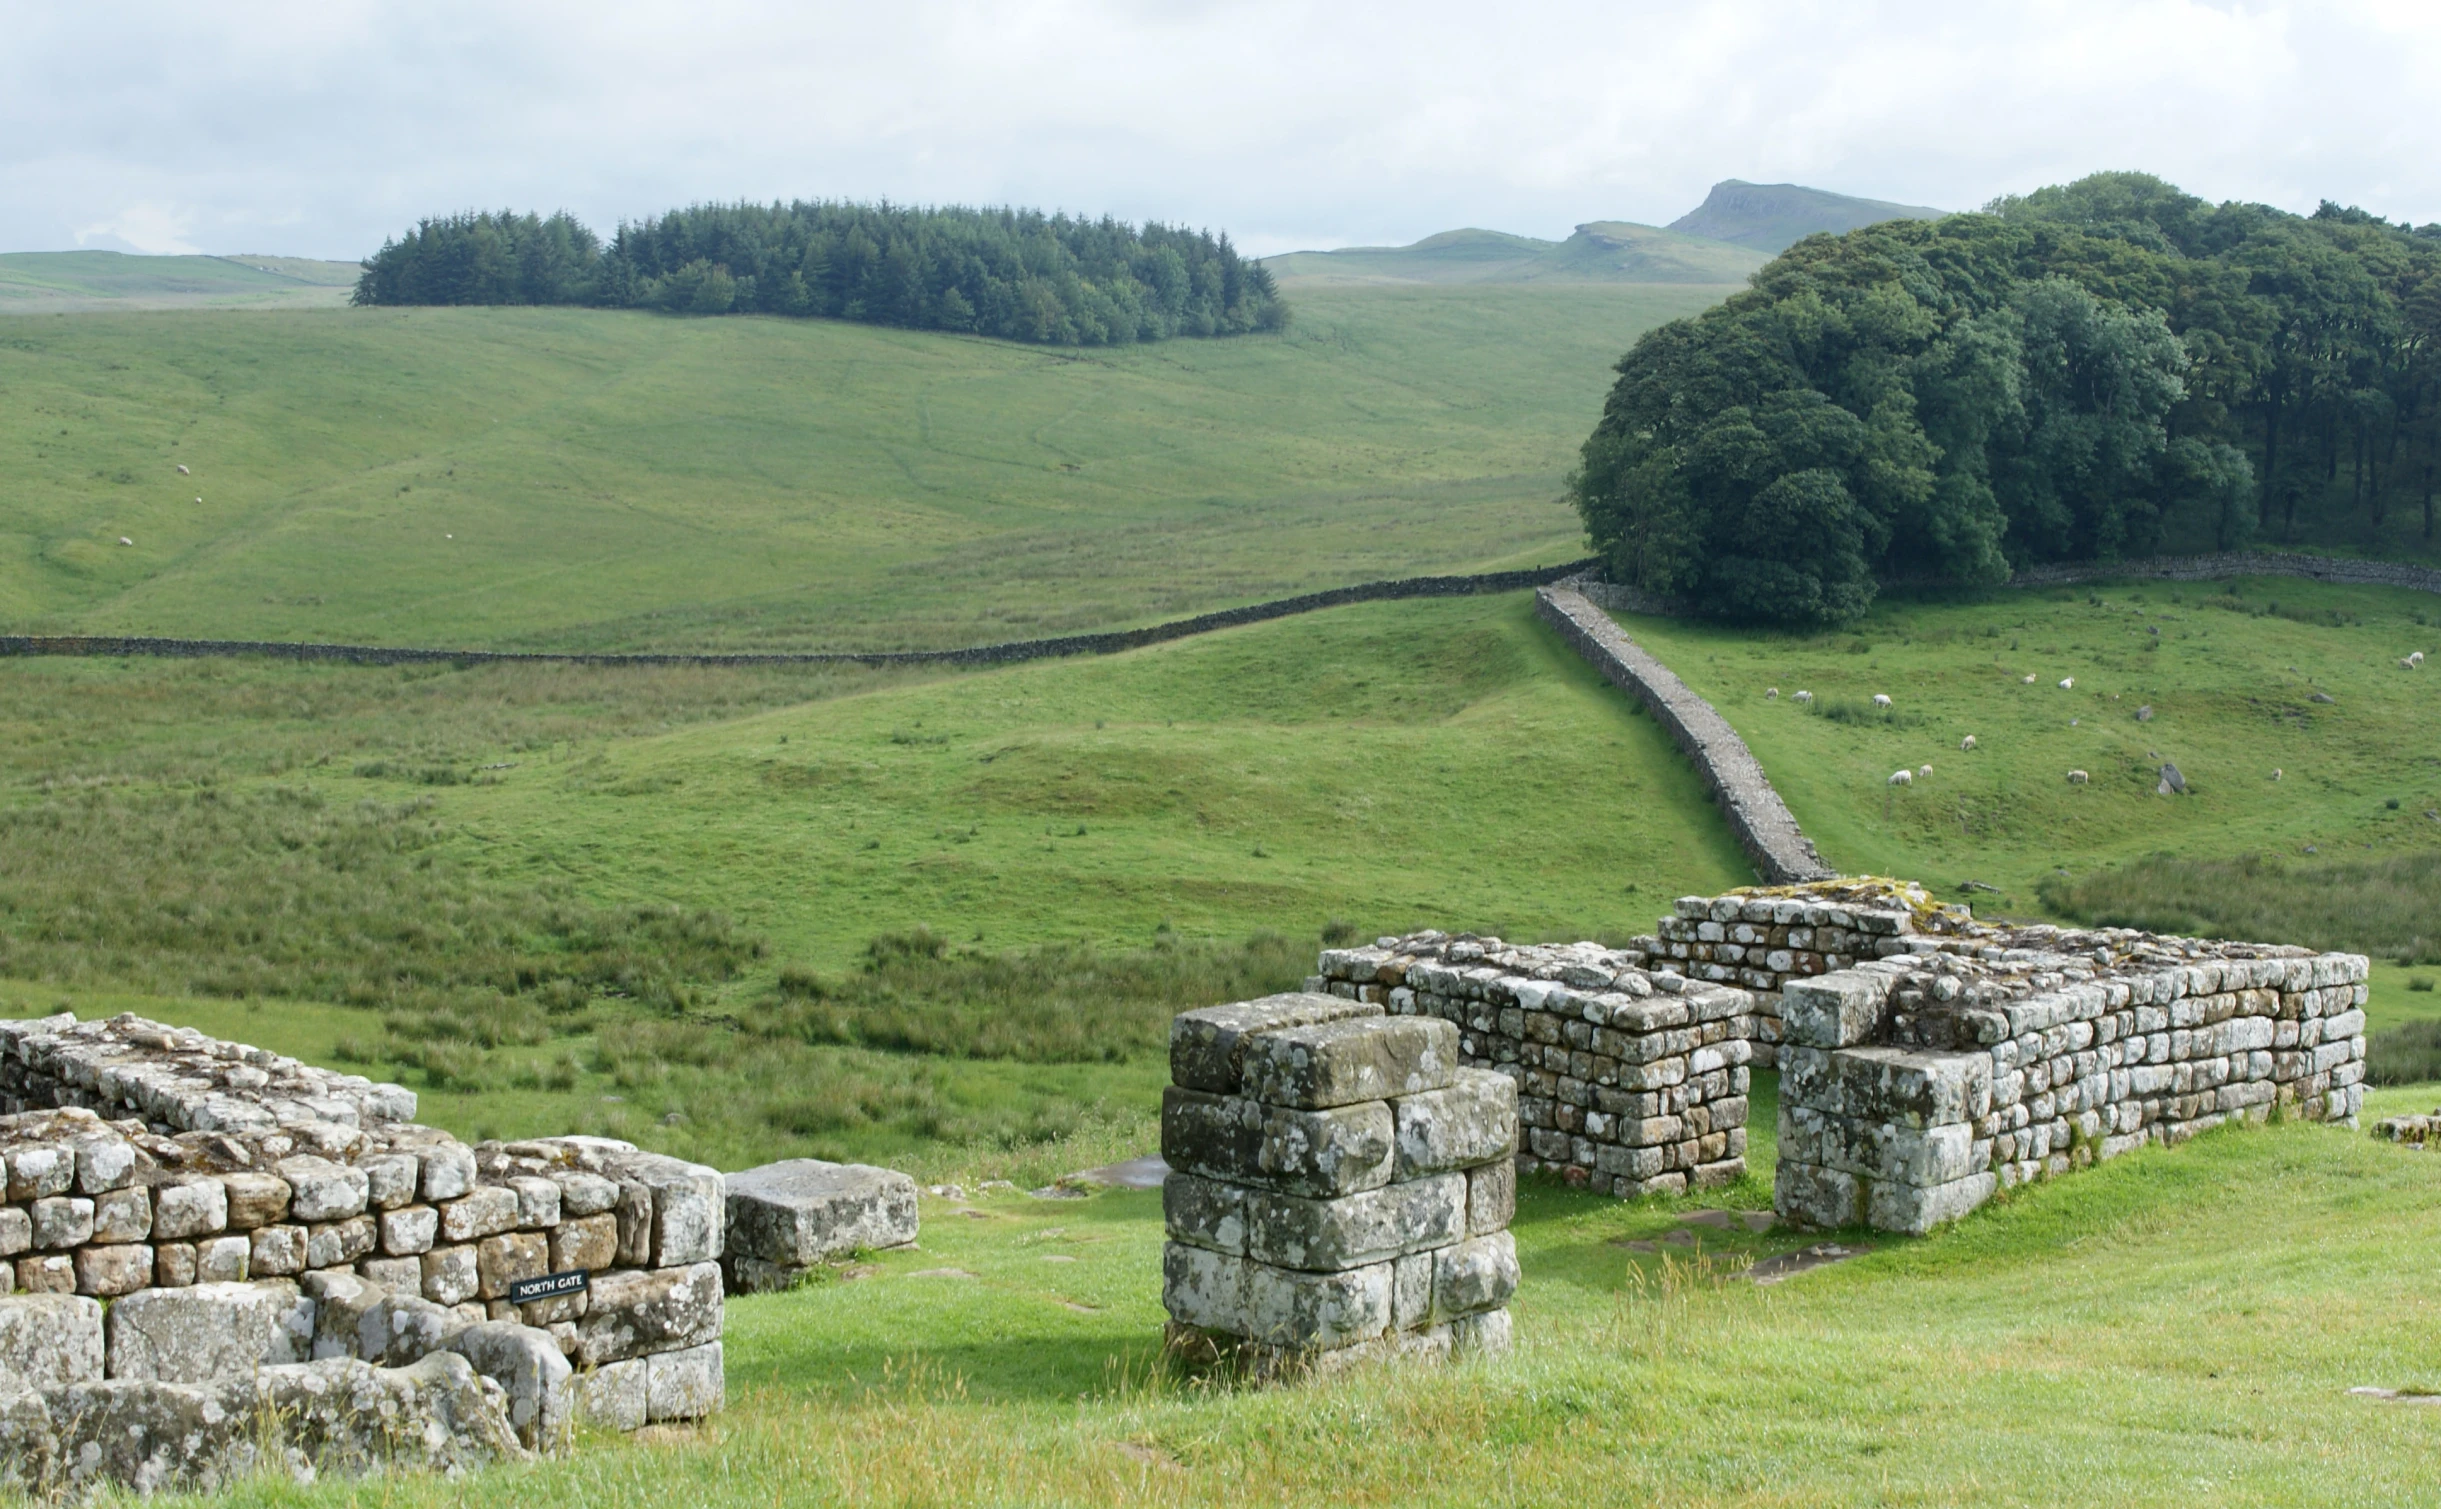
2104 369
1015 274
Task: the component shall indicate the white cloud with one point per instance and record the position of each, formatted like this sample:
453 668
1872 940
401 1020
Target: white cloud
145 227
319 128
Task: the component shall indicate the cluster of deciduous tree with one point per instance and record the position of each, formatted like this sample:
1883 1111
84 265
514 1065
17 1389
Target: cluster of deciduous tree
1016 274
2093 371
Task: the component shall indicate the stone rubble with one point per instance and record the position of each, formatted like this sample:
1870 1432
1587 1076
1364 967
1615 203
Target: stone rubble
1340 1188
1630 1079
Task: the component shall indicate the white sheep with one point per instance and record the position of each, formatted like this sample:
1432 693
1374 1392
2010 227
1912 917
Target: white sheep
124 540
2077 778
199 497
1925 772
1967 743
1802 697
182 469
2275 772
1881 699
1902 778
2029 678
1771 694
2068 683
2415 657
2406 664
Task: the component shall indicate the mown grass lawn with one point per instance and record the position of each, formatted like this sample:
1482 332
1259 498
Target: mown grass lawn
2138 1334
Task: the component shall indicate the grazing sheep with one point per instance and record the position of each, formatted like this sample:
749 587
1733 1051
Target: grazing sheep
1967 743
2406 664
1881 699
2275 772
1803 697
2415 657
2029 678
124 540
1902 778
199 498
182 469
1925 772
1771 694
2077 778
2068 683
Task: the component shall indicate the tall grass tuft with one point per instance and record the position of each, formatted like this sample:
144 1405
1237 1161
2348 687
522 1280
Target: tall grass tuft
2389 906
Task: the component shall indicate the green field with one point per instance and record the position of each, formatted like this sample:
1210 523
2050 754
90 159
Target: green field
568 478
75 282
1601 251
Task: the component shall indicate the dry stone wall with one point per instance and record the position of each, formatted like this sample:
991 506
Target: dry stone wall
242 1211
1630 1079
1339 1188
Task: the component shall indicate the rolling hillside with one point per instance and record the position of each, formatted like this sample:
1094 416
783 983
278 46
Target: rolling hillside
571 478
1600 251
1772 217
65 282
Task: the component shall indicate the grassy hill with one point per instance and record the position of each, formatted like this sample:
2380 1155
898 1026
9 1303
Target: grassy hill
62 282
1772 217
1601 251
581 479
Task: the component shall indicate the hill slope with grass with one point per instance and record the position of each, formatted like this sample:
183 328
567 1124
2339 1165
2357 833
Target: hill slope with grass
64 282
582 479
1772 217
1601 251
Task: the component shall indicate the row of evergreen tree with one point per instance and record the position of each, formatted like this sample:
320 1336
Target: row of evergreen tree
2105 369
1016 274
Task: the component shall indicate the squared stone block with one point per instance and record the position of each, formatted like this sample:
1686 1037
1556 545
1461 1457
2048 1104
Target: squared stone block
320 1190
584 1194
47 1273
123 1215
276 1252
689 1205
1353 1231
49 1341
1287 1308
16 1230
1491 1197
612 1395
400 1275
391 1180
410 1230
1479 1273
40 1172
588 1242
1915 1209
527 1365
444 1171
209 1332
687 1384
1911 1086
635 1216
62 1221
1317 1153
537 1202
1817 1196
1411 1291
1204 1212
484 1211
1200 1287
1207 1045
223 1260
1343 1062
450 1274
1472 1122
508 1258
1842 1009
335 1244
637 1311
104 1163
1486 1335
799 1212
255 1199
174 1265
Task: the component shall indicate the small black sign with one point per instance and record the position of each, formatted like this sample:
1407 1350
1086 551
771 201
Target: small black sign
525 1291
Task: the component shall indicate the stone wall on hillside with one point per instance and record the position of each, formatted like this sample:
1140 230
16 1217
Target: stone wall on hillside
1629 1079
241 1210
1340 1188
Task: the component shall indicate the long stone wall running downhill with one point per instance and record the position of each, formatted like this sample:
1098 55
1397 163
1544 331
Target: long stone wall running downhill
1781 852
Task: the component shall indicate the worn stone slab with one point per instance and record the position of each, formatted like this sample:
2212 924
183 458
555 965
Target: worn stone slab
49 1341
486 1210
254 1199
1837 1010
1200 1287
527 1365
1914 1087
1286 1307
612 1396
1207 1045
1343 1062
588 1242
802 1211
1352 1231
636 1311
320 1190
209 1331
1491 1197
1915 1209
1204 1212
687 1384
1817 1196
690 1207
108 1272
1472 1122
1477 1274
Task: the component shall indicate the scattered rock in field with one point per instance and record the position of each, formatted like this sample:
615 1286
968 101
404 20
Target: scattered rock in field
2172 783
1080 1307
995 1186
941 1273
2144 714
2322 697
2396 1396
946 1191
1061 1257
1788 1265
2415 1131
1146 1172
1758 1220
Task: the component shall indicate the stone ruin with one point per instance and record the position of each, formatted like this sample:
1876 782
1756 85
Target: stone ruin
226 1261
1340 1188
1926 1058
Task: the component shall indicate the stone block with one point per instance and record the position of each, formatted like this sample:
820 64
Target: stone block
109 1272
801 1211
1288 1308
690 1208
1207 1046
409 1230
486 1210
174 1265
445 1171
29 1448
1472 1122
450 1275
1479 1273
47 1273
1204 1212
1491 1197
391 1180
335 1244
635 1216
1915 1209
1343 1062
505 1259
223 1260
1488 1334
584 1194
1219 1136
612 1395
588 1242
687 1384
254 1199
1842 1009
403 1275
123 1215
1411 1290
62 1221
527 1365
1912 1087
1817 1196
636 1311
39 1173
276 1252
537 1202
1200 1287
209 1331
16 1230
320 1190
104 1163
49 1341
1353 1231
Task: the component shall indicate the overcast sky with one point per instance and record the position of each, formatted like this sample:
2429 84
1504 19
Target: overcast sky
316 128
